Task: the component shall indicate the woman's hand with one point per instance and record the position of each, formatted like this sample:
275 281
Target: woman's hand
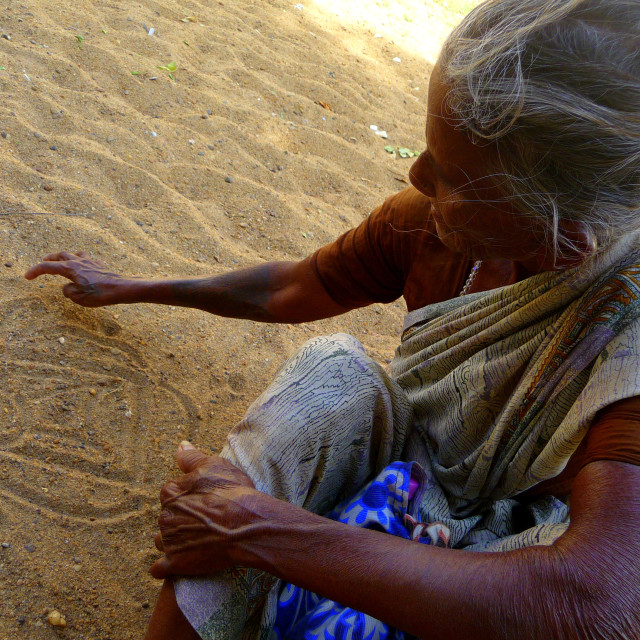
203 514
92 285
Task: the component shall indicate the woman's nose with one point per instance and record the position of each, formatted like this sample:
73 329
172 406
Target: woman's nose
421 175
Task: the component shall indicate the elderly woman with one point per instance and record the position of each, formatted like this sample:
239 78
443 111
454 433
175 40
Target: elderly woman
435 501
505 405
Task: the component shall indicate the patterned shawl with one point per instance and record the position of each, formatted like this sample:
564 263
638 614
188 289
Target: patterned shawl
505 384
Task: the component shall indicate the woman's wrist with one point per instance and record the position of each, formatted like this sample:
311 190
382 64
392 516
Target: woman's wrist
274 533
136 290
132 290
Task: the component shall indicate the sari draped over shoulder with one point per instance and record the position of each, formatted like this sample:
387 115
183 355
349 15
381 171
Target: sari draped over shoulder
489 395
504 384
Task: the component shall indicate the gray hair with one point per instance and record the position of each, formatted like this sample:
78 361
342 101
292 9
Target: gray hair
554 87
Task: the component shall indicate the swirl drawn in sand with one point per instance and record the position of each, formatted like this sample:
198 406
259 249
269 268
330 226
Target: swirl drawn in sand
55 453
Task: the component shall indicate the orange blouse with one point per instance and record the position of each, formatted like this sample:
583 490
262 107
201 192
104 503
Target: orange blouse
396 252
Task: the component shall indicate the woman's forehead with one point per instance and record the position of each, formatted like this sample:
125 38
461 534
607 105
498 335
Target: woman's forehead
451 147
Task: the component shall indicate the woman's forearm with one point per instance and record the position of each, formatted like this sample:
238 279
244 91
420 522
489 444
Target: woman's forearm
530 594
423 590
271 292
286 292
585 586
238 294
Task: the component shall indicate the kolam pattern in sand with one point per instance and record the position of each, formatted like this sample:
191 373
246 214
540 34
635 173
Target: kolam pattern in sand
78 478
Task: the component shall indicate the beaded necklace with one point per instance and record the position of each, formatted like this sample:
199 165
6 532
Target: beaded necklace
472 276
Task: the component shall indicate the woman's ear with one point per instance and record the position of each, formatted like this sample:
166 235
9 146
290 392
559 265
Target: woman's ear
576 241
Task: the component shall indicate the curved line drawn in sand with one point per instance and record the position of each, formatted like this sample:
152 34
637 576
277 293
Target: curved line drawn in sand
56 378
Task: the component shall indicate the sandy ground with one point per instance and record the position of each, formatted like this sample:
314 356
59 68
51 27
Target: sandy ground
256 147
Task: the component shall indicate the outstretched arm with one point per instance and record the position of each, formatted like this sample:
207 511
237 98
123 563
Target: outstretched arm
586 585
272 292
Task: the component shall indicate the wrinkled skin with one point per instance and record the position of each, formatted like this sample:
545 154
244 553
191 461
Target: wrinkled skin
270 292
92 284
203 515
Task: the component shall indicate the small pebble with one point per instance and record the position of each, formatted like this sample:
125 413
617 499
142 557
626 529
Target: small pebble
47 187
211 147
30 548
209 112
6 36
61 340
204 116
21 619
92 391
5 545
200 153
53 147
228 179
192 141
77 567
36 135
4 134
56 619
126 92
128 414
8 264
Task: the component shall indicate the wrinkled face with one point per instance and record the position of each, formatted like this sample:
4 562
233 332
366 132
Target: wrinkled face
472 216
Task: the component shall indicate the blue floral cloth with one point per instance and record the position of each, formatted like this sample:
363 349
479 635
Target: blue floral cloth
384 505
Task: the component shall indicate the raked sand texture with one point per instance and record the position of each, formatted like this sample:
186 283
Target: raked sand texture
254 145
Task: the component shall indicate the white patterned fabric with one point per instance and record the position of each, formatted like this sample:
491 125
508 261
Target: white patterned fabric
491 393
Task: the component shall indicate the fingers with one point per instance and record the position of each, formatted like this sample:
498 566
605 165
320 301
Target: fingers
32 272
189 458
157 540
46 265
160 569
52 268
52 264
169 491
59 256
